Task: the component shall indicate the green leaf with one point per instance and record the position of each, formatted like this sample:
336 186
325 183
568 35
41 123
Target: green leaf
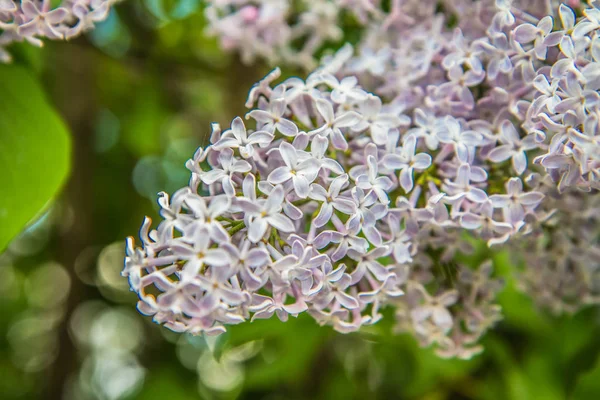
34 151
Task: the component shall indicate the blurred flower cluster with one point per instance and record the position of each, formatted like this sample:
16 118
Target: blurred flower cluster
354 188
283 30
32 20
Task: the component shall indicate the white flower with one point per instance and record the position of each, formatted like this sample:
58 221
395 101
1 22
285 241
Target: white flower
237 137
331 200
333 125
301 173
273 120
263 213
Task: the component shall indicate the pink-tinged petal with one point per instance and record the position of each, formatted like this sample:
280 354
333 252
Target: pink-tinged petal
519 162
420 314
317 192
379 271
190 270
363 182
228 187
197 205
301 141
531 199
29 9
553 39
337 96
323 239
338 140
220 274
394 161
516 214
500 200
288 154
358 94
345 206
477 195
540 49
409 145
346 300
218 232
56 16
261 138
287 128
292 211
281 223
326 110
249 206
421 161
332 166
239 130
463 174
567 16
501 153
372 235
231 296
217 257
8 6
324 215
567 47
295 308
218 205
470 221
406 179
226 142
525 33
372 106
241 166
257 230
249 186
28 29
337 184
379 133
275 199
347 119
257 257
280 175
442 318
502 227
260 116
278 107
514 186
319 146
301 186
545 24
209 303
567 105
210 177
340 252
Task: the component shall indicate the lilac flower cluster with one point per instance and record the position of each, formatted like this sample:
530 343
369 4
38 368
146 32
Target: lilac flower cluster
273 29
479 122
32 20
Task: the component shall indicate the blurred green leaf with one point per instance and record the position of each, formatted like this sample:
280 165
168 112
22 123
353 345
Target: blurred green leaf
34 151
142 127
588 385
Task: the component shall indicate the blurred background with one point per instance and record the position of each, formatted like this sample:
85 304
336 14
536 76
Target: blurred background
138 95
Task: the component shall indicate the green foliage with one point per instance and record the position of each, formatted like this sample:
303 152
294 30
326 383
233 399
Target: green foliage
34 151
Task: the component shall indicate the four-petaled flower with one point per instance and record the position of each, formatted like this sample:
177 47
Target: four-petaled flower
264 213
300 171
237 137
333 125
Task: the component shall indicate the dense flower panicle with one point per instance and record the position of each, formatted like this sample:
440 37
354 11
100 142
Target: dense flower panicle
353 190
33 20
284 30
